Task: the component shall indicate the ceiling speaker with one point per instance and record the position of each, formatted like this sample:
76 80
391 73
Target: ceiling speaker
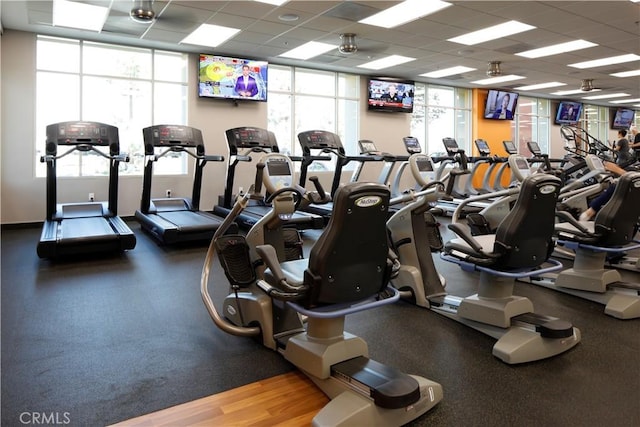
348 44
143 11
587 85
494 69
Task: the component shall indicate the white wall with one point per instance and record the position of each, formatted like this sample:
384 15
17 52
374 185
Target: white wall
23 195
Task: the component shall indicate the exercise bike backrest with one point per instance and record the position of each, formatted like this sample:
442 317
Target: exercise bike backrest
618 219
524 238
352 251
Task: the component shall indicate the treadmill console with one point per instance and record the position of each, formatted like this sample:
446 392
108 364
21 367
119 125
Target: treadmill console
320 140
76 133
510 147
451 146
483 147
171 136
412 145
252 138
367 146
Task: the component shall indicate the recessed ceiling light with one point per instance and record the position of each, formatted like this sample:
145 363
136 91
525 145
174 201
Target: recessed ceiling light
79 15
556 49
448 72
273 2
499 79
387 62
407 11
625 101
210 35
541 86
606 95
631 73
491 33
308 50
607 61
573 92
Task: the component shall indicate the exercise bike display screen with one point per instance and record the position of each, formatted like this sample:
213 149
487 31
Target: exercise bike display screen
450 145
424 165
279 174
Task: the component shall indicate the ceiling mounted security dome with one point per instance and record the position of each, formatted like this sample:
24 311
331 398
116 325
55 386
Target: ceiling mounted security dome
143 11
494 69
348 44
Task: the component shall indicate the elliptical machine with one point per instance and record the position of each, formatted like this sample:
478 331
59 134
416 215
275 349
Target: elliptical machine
348 271
522 336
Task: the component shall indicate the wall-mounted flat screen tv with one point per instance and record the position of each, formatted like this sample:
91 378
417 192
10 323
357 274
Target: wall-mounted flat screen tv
390 94
568 113
232 78
500 105
622 118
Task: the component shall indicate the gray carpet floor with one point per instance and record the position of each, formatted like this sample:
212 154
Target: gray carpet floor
98 340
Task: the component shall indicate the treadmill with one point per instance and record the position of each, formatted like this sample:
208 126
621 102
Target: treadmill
81 228
315 145
174 219
243 141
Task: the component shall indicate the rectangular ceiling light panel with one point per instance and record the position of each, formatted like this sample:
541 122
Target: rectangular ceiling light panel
491 33
79 15
557 49
210 35
448 72
386 62
499 79
612 60
309 50
407 11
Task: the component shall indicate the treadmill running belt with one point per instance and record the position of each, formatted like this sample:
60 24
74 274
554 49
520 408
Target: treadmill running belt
82 228
189 220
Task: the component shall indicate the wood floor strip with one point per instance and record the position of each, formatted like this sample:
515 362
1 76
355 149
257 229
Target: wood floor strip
287 400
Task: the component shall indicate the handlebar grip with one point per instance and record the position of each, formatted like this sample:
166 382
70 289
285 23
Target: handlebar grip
319 189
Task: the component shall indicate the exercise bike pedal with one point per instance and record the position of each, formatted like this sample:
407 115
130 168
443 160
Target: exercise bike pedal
389 387
234 258
548 327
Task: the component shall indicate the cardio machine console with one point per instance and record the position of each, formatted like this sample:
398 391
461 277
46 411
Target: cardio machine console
319 140
594 163
278 172
76 133
519 166
534 148
510 147
171 136
412 145
451 146
367 146
252 138
483 147
422 169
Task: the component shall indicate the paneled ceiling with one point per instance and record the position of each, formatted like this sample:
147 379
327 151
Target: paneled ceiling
266 33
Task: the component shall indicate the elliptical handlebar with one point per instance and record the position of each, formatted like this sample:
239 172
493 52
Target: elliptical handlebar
223 324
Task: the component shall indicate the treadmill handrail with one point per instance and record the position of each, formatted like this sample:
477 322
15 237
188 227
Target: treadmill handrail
122 157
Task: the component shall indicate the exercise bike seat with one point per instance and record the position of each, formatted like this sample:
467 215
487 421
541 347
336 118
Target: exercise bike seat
615 224
524 238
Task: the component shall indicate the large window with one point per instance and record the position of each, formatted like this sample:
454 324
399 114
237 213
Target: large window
441 112
302 99
532 123
130 88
